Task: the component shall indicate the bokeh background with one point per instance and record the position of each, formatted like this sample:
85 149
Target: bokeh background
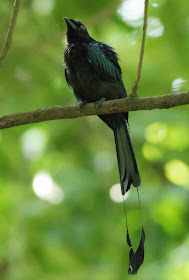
61 216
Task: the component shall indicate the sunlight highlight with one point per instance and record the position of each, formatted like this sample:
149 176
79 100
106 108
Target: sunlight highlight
33 142
115 193
132 12
177 172
170 137
155 5
177 138
155 27
43 7
46 189
22 75
156 132
176 84
151 152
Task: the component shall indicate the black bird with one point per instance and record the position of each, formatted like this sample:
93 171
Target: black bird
92 70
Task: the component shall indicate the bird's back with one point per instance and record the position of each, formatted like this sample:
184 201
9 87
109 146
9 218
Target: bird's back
89 83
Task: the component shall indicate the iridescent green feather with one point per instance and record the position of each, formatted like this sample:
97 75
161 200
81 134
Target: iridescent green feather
101 62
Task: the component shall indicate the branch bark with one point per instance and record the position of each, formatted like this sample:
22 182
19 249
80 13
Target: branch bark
107 107
135 87
8 40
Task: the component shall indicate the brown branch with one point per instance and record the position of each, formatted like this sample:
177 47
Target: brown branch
135 87
111 106
8 40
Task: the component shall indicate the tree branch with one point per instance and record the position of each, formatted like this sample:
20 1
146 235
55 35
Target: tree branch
107 107
135 87
8 40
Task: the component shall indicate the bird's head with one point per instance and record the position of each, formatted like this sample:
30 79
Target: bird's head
76 31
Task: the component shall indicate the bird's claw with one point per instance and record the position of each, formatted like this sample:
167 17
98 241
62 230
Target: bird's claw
81 104
99 102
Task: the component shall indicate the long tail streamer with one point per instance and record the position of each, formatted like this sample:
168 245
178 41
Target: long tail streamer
135 258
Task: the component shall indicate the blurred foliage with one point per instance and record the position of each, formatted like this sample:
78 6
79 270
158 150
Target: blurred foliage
78 231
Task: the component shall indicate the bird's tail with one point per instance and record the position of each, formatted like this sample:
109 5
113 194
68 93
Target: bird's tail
129 174
128 169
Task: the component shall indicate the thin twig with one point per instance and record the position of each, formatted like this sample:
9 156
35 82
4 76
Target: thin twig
107 107
135 87
8 40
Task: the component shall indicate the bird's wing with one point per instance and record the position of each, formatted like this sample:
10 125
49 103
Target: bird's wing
104 60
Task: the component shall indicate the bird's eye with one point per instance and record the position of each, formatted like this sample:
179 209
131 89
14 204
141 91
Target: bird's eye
82 27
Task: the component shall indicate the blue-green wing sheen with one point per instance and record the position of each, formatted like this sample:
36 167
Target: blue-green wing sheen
104 61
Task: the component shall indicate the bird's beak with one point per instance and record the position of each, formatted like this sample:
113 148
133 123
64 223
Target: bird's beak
70 23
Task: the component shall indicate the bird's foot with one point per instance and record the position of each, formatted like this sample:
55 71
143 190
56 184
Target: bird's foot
99 102
81 104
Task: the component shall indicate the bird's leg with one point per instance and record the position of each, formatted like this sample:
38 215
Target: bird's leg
99 102
81 104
